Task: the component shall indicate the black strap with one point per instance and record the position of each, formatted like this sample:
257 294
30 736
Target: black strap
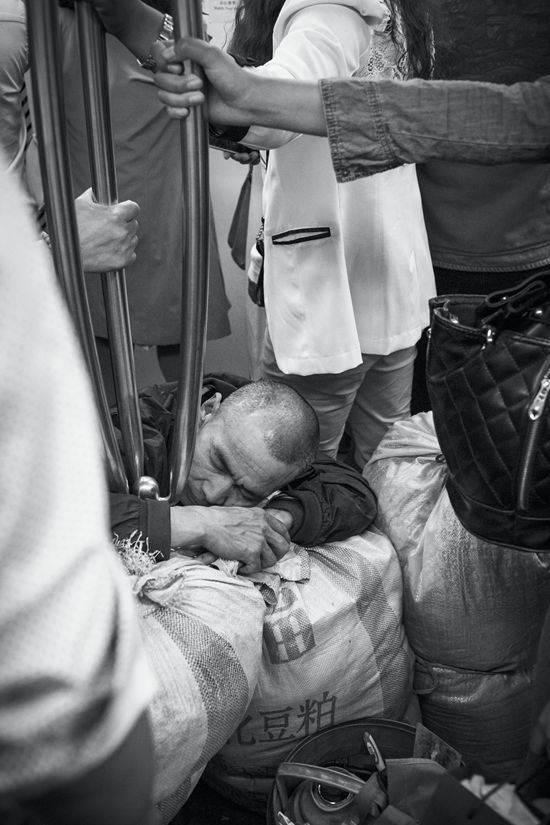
503 304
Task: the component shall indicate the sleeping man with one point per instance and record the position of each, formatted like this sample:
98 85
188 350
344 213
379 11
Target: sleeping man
253 485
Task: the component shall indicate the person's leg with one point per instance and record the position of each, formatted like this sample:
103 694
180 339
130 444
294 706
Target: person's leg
383 398
331 396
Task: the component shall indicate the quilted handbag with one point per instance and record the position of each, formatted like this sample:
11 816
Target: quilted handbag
488 377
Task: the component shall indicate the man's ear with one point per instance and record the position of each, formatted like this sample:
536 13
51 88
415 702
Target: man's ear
209 407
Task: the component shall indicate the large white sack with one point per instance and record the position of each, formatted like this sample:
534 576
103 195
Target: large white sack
486 716
334 650
472 611
203 634
407 473
467 604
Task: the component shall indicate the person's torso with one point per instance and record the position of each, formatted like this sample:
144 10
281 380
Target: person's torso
148 162
347 268
482 217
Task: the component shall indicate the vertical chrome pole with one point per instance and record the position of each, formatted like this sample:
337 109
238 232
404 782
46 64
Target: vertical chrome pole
196 203
93 57
42 22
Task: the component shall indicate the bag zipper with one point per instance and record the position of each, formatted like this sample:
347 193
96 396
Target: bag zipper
534 414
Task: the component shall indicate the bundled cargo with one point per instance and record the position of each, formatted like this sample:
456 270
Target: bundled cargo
487 714
202 631
472 610
334 650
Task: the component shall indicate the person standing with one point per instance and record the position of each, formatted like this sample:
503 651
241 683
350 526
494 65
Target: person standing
487 226
148 163
75 684
346 270
108 233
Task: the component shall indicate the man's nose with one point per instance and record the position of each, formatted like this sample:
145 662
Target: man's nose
218 490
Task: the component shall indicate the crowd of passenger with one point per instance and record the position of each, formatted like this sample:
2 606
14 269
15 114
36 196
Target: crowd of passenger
407 147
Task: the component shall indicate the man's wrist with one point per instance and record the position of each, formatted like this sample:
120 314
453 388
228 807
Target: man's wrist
187 525
165 33
139 29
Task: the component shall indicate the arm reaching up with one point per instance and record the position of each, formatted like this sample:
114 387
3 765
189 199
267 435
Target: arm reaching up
235 96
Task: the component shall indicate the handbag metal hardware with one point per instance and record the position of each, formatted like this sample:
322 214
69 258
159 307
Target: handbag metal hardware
489 336
530 446
537 405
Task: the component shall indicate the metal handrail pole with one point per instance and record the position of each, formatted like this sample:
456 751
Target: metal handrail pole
49 111
95 83
196 203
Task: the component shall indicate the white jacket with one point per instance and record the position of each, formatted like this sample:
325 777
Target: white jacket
347 266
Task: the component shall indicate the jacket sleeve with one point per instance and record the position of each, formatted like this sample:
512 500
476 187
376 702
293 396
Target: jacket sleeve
144 518
374 126
321 40
332 502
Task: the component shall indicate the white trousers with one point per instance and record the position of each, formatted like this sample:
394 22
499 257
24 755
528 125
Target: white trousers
370 397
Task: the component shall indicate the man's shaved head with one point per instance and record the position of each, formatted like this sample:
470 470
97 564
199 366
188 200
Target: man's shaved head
289 423
256 441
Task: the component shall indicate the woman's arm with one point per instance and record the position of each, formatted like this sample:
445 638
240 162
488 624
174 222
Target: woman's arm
372 125
236 96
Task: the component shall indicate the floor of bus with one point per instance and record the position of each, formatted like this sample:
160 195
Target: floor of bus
206 807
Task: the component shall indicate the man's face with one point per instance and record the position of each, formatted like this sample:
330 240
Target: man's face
232 465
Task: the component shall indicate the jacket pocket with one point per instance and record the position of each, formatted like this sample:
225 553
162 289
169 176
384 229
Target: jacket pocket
306 233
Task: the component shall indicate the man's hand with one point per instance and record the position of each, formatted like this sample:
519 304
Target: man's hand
108 234
244 158
236 96
229 86
258 538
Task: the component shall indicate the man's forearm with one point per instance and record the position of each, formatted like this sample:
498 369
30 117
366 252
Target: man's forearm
187 526
291 105
133 22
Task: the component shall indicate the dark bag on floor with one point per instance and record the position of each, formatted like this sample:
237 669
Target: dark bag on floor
488 376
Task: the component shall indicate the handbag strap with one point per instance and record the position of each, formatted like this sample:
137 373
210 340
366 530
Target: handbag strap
498 307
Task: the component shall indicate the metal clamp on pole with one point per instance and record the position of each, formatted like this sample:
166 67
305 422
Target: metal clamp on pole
93 57
196 203
42 21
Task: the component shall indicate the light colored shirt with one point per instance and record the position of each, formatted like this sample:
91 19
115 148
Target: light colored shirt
73 678
347 268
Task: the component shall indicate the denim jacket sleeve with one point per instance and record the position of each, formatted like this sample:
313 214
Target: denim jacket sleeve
377 125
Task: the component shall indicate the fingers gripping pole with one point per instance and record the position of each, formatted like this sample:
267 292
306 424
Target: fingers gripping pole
196 205
93 56
52 142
